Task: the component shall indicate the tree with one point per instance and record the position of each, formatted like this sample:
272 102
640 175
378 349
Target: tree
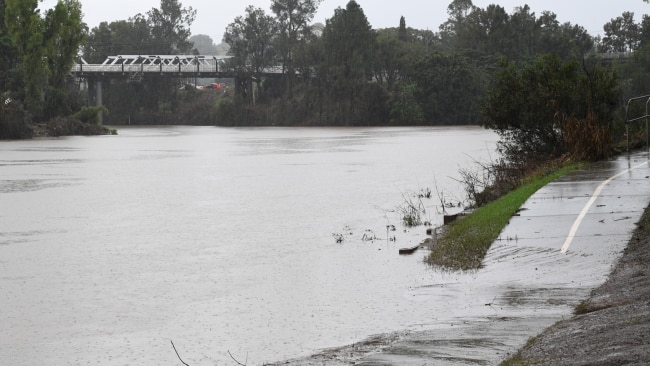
622 34
204 45
250 40
347 59
644 39
25 28
534 107
458 11
8 53
170 27
293 17
448 88
401 33
64 32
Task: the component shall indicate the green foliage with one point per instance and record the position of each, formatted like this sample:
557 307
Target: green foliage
411 211
38 53
13 119
204 45
169 26
25 27
293 18
226 113
347 60
90 114
250 39
514 360
406 110
466 242
622 34
449 88
528 105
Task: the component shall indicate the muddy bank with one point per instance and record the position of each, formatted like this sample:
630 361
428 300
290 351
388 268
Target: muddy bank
613 325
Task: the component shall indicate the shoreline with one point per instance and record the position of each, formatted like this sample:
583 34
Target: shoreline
613 327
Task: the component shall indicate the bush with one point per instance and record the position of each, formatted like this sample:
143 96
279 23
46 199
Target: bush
90 114
14 121
226 112
531 107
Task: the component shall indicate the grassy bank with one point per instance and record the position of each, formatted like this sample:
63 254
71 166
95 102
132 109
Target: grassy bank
465 242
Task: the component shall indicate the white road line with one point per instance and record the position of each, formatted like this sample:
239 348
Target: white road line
583 213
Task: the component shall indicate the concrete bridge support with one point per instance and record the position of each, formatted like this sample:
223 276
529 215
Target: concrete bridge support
99 99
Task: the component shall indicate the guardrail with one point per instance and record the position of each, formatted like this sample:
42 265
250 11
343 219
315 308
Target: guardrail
629 120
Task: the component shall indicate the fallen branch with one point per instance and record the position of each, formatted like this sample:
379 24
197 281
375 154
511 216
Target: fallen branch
179 356
234 359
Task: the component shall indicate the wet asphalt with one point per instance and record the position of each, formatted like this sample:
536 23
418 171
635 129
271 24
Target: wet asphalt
554 251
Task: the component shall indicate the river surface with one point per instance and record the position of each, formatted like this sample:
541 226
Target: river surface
222 241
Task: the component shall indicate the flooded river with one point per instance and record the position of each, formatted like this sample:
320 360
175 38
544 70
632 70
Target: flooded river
220 240
272 244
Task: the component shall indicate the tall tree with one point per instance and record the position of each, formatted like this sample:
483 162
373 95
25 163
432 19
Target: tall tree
401 33
170 27
622 34
204 44
8 53
293 17
25 27
64 32
348 58
250 40
458 11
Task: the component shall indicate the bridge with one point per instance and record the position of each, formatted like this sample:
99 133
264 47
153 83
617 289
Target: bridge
136 67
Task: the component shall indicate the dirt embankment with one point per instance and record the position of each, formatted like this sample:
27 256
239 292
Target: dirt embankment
612 326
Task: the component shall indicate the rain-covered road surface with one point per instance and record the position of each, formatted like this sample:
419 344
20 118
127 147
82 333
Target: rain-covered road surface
560 246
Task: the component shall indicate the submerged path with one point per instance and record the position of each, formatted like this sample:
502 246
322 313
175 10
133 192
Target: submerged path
548 259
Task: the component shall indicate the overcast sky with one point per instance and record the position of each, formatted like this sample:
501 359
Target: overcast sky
214 15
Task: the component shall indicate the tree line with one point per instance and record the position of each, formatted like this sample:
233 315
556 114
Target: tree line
343 73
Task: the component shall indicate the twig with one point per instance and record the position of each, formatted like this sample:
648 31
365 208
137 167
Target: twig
179 356
234 359
490 303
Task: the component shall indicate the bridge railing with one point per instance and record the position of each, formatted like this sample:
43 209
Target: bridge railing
170 69
176 70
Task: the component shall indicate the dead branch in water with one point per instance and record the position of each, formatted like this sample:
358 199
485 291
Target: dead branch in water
179 356
234 359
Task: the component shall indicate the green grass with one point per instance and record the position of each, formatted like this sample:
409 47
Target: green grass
515 360
466 241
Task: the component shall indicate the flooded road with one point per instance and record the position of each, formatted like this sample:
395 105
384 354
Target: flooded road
531 278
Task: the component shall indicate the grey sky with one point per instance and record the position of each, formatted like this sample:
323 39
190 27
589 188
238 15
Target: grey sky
213 16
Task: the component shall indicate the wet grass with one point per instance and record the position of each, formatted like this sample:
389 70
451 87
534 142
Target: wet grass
515 360
465 242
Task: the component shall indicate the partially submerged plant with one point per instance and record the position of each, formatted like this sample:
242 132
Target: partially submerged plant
412 212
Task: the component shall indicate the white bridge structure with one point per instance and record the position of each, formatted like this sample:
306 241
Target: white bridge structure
136 67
